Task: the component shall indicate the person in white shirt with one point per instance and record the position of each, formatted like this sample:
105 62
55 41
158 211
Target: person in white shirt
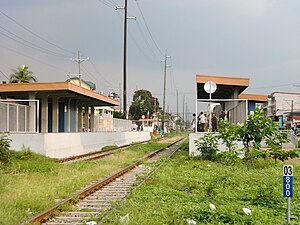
201 122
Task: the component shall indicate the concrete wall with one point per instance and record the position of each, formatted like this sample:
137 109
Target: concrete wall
61 145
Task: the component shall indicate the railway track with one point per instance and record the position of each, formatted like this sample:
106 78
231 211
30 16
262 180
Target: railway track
95 202
99 154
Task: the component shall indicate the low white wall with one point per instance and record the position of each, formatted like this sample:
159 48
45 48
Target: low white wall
61 145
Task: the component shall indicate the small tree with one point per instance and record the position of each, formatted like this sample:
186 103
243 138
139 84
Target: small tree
254 129
228 134
22 75
4 148
208 146
143 104
275 142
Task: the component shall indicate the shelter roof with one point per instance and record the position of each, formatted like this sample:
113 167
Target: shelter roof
254 97
225 86
56 89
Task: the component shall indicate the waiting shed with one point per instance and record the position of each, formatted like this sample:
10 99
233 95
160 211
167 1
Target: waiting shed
51 106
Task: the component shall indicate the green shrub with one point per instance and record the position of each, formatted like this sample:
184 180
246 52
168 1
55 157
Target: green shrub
254 129
228 134
228 158
4 148
207 146
24 154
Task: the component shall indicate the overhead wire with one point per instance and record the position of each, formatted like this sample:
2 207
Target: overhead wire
4 75
107 3
35 34
148 29
145 39
31 45
103 77
134 41
30 57
282 85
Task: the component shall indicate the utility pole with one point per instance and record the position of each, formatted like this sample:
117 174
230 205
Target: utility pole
177 109
125 58
186 113
125 62
79 61
164 95
292 113
183 119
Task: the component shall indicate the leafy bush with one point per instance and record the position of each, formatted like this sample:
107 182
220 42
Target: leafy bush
207 146
24 154
4 148
228 134
254 129
228 158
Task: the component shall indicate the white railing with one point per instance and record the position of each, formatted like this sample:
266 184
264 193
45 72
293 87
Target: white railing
18 116
293 138
108 124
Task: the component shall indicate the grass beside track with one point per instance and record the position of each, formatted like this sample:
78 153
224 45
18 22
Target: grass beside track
31 183
183 189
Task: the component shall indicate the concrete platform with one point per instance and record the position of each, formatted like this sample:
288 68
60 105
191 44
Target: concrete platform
62 145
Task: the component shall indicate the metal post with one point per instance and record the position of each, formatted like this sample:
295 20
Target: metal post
79 72
124 61
164 96
7 117
17 122
177 112
209 122
288 210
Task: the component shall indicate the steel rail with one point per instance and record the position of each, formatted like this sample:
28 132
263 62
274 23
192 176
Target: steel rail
112 150
46 214
140 183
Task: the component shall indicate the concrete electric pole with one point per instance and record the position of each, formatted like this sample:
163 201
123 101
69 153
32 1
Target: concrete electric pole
79 61
164 95
125 58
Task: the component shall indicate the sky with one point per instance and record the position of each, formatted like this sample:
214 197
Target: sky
256 39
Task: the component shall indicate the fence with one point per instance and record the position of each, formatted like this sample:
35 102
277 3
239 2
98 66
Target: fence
18 115
109 124
293 138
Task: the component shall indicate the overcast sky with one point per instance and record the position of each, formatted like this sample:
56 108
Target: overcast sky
257 39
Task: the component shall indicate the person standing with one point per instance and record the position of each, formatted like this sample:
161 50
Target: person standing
222 115
214 123
201 122
194 122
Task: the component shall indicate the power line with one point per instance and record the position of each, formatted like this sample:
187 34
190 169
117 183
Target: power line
4 75
35 34
145 39
30 57
146 24
103 77
282 85
108 4
32 45
135 42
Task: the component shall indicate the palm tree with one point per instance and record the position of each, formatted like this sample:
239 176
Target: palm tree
22 75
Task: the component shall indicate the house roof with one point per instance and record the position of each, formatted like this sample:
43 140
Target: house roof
225 86
56 89
283 93
89 83
254 97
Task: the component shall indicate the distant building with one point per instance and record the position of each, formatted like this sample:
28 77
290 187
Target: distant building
285 104
255 101
82 83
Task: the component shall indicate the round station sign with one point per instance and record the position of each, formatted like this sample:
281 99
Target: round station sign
210 87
